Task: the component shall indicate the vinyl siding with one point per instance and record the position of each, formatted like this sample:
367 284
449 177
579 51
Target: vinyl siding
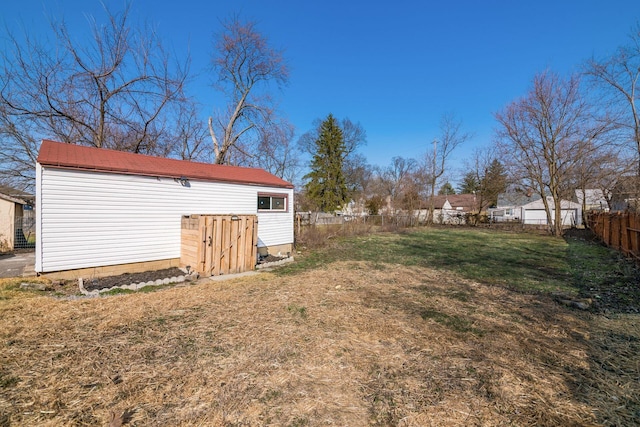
91 219
270 229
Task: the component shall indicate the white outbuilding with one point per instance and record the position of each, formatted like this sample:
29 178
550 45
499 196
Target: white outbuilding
101 211
534 213
529 209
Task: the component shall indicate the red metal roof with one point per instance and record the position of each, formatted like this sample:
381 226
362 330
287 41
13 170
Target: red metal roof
71 156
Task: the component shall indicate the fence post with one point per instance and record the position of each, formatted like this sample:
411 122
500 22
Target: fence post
627 234
635 225
620 232
636 245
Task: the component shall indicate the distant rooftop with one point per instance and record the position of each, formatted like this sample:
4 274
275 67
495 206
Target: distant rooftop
16 196
515 199
465 201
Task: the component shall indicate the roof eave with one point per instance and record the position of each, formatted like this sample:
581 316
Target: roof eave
163 175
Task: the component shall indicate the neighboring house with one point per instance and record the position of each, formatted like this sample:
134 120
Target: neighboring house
534 213
387 206
509 206
353 208
529 209
98 207
592 199
13 208
451 209
625 194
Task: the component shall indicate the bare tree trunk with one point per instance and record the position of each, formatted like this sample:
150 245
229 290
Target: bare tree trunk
451 137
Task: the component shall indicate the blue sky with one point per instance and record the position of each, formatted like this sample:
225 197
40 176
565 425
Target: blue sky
395 67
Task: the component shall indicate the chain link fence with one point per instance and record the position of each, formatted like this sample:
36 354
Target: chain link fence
25 233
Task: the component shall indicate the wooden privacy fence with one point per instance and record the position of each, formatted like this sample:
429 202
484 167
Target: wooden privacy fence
617 230
219 244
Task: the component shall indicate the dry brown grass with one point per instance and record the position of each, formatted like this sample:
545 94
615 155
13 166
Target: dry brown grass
346 344
314 237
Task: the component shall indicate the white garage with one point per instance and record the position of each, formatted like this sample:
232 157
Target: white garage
534 213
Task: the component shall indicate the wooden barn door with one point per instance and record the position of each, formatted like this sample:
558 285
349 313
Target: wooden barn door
224 244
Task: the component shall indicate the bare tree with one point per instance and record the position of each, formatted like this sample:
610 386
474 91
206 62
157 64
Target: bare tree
375 197
359 176
278 154
601 169
486 178
189 136
245 65
435 160
397 182
545 134
354 137
110 90
619 75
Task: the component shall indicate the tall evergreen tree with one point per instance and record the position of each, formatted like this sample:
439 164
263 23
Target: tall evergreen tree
326 186
494 182
469 183
446 190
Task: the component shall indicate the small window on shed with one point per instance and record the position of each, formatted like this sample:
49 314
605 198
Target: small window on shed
277 203
264 202
272 202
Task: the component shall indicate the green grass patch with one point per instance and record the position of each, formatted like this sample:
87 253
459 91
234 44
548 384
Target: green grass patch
455 323
604 275
459 295
154 288
7 381
297 310
11 288
143 290
118 291
576 265
593 264
521 261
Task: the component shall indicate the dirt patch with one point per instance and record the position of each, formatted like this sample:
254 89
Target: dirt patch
129 278
583 234
270 258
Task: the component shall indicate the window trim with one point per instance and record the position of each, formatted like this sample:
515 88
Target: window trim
284 196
